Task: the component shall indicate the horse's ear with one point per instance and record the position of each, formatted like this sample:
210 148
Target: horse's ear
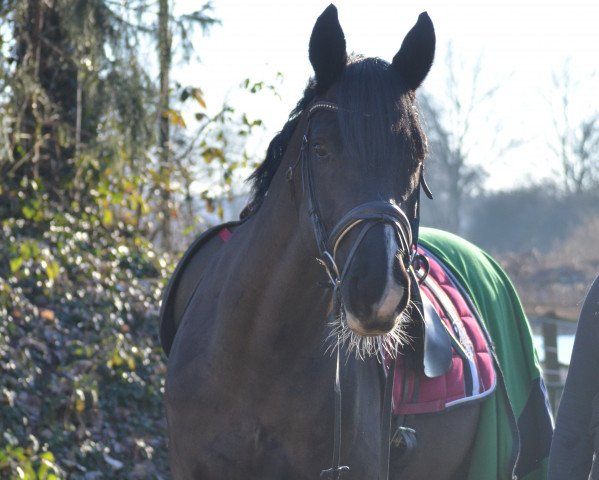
415 57
327 49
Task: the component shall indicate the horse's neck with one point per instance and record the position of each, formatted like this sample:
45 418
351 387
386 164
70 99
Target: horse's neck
277 300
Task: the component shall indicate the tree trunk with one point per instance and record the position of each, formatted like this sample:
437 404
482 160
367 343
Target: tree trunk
164 48
46 98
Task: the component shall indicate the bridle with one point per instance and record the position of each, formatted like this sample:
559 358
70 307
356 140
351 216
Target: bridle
366 216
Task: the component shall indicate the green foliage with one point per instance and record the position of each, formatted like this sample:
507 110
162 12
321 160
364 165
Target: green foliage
216 154
83 192
75 91
81 369
28 463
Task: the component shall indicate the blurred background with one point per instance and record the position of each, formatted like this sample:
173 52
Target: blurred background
127 127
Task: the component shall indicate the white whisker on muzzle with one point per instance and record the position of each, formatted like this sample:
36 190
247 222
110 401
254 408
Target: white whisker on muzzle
362 346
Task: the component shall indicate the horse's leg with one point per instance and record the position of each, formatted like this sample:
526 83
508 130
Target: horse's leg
443 444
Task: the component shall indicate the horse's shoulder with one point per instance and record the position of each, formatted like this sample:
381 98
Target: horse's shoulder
186 276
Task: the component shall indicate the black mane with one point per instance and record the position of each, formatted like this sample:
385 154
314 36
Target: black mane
372 97
263 175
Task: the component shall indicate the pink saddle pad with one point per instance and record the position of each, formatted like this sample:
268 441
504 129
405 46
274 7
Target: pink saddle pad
471 375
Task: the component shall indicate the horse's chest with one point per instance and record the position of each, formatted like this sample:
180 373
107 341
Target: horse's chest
249 431
239 446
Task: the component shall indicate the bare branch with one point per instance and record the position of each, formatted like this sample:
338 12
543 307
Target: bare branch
451 137
576 142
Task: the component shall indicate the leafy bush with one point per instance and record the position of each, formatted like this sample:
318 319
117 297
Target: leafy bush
81 369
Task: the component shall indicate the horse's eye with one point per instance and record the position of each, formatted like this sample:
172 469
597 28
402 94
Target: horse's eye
320 150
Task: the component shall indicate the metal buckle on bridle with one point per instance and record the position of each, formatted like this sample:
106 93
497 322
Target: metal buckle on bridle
290 170
330 266
420 266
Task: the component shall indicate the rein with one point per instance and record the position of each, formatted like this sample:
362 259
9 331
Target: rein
366 216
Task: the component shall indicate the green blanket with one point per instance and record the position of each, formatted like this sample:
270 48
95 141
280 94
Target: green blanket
516 419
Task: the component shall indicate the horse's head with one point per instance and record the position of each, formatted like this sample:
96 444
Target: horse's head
360 165
363 155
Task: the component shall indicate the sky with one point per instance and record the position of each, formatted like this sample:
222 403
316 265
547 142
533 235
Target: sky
519 44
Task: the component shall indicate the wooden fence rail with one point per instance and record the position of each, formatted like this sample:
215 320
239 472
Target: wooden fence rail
554 371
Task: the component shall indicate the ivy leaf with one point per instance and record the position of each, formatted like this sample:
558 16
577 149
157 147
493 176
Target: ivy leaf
26 250
52 270
15 264
131 363
28 212
107 217
79 400
47 466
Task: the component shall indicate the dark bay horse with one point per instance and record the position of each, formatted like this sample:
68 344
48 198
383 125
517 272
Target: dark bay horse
331 229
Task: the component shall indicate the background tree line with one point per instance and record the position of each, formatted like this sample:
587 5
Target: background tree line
534 216
543 232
